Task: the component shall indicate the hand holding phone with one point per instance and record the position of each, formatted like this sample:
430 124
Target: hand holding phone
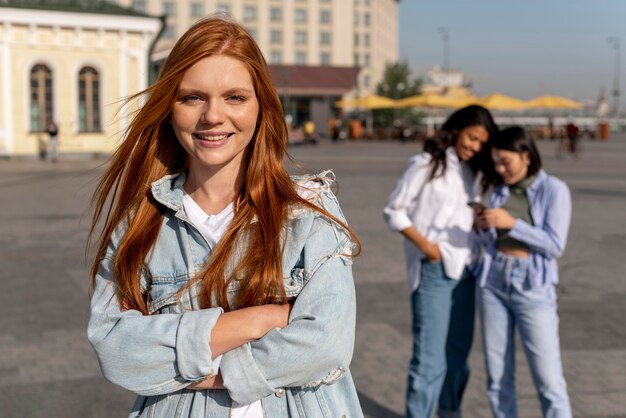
477 206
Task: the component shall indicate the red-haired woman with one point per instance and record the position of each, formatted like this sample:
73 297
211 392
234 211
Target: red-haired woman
222 286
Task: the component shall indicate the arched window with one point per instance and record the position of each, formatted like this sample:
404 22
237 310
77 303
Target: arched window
40 97
89 100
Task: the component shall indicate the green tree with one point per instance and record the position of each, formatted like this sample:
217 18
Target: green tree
397 83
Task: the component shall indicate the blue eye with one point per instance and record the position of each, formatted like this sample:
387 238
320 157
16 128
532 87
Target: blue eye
237 98
190 98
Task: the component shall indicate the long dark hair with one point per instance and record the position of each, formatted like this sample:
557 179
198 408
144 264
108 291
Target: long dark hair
516 139
447 136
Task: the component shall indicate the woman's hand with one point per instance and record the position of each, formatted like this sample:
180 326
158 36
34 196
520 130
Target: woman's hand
495 218
214 382
430 249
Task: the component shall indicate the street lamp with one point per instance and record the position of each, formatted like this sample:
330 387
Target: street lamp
615 43
445 36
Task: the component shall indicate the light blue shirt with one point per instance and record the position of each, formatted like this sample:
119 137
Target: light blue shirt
551 209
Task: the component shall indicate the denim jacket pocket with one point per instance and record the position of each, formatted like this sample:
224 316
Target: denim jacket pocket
294 283
164 296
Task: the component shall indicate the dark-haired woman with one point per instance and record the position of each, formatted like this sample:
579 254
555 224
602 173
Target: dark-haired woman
429 207
525 230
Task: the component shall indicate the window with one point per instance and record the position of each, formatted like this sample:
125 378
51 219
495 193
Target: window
366 81
325 16
301 37
356 59
40 97
276 36
197 10
366 19
276 14
356 19
300 58
249 13
139 5
169 8
88 100
366 60
325 58
252 32
223 8
356 39
366 39
276 57
300 15
325 38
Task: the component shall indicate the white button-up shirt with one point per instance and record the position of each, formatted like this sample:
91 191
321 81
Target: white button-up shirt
213 228
438 210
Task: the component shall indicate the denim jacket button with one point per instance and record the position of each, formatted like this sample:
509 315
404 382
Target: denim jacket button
280 393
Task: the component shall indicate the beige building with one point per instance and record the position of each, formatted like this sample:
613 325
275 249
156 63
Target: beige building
70 61
339 33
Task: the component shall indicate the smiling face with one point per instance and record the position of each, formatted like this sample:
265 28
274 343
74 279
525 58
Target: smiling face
215 114
510 165
470 141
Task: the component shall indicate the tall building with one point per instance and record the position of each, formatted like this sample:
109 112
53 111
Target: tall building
338 33
71 61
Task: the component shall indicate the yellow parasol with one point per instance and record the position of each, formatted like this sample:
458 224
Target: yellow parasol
435 100
498 101
553 102
371 101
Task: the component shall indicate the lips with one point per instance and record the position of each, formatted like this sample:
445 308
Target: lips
213 137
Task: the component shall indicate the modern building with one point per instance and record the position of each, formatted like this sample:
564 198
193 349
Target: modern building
72 61
340 34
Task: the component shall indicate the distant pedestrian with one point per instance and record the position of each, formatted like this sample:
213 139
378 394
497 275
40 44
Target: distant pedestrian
309 132
429 207
524 232
573 133
53 133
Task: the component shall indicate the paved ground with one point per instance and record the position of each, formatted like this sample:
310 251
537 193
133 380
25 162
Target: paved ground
47 368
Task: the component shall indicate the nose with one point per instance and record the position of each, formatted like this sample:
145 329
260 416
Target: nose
212 113
500 168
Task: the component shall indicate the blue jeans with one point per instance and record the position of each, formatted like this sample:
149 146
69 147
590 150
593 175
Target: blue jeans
443 325
508 301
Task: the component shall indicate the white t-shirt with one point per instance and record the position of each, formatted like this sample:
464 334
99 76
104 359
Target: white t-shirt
212 228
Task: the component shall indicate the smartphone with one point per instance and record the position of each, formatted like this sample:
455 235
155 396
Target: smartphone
477 206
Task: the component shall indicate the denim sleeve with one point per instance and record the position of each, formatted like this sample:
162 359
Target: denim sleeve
315 348
396 211
149 355
550 237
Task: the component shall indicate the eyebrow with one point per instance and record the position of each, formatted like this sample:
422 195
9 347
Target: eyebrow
235 90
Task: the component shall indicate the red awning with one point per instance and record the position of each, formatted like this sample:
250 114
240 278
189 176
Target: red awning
304 80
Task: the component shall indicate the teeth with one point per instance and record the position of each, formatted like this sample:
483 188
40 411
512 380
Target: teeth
211 137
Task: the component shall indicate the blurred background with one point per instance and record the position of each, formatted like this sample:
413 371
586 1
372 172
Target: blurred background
362 83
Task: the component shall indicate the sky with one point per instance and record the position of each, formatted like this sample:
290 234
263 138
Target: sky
522 48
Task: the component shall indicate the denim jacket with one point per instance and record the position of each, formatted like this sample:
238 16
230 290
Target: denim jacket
551 210
297 371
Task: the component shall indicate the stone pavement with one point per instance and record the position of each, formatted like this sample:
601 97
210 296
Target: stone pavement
47 368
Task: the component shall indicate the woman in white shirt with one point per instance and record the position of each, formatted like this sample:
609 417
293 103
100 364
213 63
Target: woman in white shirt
429 207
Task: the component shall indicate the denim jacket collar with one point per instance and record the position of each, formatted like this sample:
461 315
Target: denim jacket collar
169 192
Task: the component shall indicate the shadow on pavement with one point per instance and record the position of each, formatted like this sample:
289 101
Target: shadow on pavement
371 408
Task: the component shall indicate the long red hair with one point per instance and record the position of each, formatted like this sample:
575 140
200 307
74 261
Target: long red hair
150 150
